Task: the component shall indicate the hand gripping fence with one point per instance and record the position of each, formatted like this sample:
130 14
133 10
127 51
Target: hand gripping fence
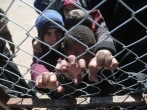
122 89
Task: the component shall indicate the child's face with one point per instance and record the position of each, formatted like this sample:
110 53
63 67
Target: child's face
68 8
78 49
52 36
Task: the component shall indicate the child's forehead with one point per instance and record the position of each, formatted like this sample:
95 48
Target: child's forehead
52 29
74 45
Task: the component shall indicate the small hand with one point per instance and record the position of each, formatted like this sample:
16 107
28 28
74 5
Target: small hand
48 80
72 68
36 47
103 59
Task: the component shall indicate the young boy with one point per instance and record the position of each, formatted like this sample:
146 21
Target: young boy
78 46
103 38
45 60
104 48
74 68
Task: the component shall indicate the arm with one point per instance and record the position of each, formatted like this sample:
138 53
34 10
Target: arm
105 48
103 59
42 76
37 69
104 39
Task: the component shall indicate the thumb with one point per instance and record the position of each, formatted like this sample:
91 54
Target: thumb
77 81
60 89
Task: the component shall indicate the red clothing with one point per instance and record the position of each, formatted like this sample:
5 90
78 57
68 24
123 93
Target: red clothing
104 39
38 69
44 61
66 2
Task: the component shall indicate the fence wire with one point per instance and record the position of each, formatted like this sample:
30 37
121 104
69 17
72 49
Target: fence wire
128 26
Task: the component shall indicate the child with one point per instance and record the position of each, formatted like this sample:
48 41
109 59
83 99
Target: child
105 45
77 44
64 6
103 38
80 39
44 61
78 47
92 61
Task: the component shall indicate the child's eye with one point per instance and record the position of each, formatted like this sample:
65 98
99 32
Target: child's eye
48 33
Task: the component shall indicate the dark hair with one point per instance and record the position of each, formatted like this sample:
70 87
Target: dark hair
74 17
81 33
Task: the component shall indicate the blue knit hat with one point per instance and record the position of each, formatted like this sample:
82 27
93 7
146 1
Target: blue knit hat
43 24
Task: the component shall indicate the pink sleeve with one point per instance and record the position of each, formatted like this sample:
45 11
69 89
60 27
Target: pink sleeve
36 70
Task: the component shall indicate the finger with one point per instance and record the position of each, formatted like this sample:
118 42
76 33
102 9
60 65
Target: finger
60 89
108 60
64 65
72 68
78 79
45 77
82 64
72 60
93 67
65 69
80 72
100 58
37 83
93 70
58 68
53 82
40 84
114 64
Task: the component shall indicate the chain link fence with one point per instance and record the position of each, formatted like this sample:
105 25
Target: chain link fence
122 89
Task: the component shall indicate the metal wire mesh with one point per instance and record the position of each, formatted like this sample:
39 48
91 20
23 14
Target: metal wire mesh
127 25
